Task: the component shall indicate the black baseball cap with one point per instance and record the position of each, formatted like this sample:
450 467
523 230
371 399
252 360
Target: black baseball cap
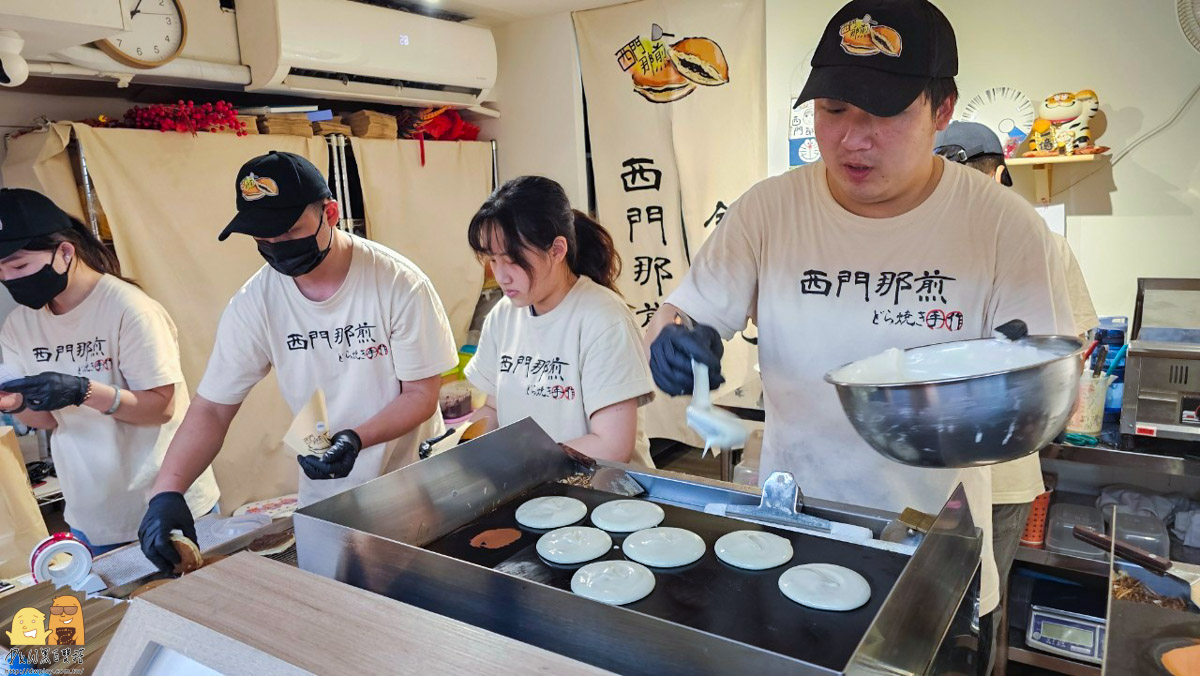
26 215
880 54
974 138
272 192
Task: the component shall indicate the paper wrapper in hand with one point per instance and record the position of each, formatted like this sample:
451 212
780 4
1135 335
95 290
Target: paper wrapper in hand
304 437
21 524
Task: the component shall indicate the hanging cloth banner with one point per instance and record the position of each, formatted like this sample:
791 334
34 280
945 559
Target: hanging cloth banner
675 106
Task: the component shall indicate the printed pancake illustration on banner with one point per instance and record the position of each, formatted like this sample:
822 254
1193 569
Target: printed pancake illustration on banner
865 37
663 73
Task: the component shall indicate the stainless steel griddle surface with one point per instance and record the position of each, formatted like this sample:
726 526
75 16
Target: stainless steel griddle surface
708 595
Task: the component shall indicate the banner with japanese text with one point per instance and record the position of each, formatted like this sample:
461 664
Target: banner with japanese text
675 112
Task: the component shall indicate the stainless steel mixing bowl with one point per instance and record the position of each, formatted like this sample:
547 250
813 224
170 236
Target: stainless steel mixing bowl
969 421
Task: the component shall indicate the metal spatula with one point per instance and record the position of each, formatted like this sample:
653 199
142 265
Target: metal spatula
1151 562
607 479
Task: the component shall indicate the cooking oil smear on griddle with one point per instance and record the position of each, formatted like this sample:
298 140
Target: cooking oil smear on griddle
496 538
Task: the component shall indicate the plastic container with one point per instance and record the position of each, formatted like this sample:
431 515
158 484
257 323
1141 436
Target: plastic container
1088 416
1145 531
455 400
1063 519
1112 330
1035 526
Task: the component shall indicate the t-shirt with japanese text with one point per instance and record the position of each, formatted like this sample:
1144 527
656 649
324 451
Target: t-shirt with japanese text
561 367
117 336
384 325
826 287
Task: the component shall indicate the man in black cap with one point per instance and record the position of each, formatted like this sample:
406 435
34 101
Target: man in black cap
879 245
329 311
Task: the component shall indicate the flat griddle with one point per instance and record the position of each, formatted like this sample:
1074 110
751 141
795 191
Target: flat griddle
709 595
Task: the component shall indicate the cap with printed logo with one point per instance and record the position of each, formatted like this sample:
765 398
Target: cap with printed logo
26 215
272 192
879 55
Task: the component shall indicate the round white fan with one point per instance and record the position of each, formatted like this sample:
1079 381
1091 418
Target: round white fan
1004 110
1189 21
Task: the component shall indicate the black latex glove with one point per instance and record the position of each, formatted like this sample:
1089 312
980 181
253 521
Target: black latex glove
167 511
672 353
337 461
1012 330
49 391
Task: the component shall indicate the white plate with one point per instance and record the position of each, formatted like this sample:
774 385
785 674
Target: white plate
753 549
627 516
573 544
825 586
554 511
613 582
664 547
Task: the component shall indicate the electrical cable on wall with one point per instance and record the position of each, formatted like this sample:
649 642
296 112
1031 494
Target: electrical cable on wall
1138 141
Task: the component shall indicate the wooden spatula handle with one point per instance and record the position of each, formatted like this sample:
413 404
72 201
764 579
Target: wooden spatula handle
1155 564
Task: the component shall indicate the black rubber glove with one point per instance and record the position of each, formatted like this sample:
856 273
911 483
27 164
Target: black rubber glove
337 461
1012 330
49 391
167 511
672 353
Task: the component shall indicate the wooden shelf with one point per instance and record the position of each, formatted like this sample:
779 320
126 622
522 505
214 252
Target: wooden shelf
1054 159
1042 167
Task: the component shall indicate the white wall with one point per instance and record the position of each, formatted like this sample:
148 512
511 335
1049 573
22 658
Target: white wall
1139 218
538 87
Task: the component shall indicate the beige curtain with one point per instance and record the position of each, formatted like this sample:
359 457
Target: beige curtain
422 212
167 196
39 161
666 162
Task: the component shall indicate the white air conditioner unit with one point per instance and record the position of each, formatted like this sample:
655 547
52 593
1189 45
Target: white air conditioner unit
350 50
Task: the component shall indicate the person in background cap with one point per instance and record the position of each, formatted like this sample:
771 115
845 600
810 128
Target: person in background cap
978 147
103 365
879 245
329 310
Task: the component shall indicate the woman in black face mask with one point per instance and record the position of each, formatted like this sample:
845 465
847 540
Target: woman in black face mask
101 365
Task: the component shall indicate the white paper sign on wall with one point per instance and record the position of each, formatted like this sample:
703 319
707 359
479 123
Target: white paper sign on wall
802 136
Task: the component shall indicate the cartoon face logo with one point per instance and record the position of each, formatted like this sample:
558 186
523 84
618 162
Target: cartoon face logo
28 628
256 188
865 37
66 621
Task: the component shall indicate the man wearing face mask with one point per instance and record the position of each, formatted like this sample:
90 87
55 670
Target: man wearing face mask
329 310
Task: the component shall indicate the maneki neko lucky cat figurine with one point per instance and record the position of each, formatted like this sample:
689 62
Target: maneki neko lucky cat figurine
1063 126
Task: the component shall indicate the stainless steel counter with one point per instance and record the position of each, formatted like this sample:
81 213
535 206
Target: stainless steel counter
374 537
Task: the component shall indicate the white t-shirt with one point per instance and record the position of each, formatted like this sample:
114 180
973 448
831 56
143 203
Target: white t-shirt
1082 309
561 367
117 336
383 326
826 287
1020 481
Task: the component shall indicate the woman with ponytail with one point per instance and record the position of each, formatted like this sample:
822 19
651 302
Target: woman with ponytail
101 360
562 346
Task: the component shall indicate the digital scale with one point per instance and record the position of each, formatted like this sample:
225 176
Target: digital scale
1067 621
